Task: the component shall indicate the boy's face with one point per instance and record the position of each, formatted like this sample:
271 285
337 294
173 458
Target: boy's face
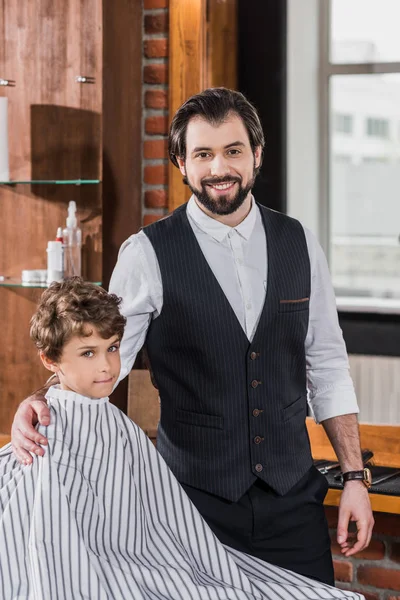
89 365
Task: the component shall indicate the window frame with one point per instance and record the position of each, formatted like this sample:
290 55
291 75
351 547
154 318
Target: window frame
327 69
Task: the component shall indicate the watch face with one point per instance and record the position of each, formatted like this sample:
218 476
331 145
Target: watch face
367 477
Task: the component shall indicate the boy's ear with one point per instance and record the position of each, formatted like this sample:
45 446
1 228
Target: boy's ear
48 363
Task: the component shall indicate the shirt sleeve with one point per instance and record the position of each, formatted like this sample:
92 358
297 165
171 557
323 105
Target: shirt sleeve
330 387
136 279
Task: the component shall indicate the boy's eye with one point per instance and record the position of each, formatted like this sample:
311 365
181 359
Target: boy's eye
114 348
88 353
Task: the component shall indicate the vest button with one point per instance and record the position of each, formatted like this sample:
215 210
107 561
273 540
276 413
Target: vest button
258 468
255 383
256 412
258 439
253 355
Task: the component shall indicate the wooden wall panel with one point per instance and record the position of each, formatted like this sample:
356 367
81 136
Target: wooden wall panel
54 132
122 136
203 53
222 43
187 71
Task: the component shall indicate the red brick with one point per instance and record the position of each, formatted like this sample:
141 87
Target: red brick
395 552
157 73
156 48
155 149
343 570
375 550
156 199
156 175
386 524
156 23
335 546
386 579
331 513
368 595
156 125
156 99
149 4
148 219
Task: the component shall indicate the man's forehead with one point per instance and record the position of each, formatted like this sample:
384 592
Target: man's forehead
201 132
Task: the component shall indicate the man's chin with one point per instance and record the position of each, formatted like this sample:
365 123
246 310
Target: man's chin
223 206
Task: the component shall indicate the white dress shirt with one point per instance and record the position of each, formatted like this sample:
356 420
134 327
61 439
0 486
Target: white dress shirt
238 259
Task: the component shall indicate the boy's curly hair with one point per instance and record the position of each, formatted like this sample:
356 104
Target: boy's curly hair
67 307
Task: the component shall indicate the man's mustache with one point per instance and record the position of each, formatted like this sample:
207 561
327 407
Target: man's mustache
226 179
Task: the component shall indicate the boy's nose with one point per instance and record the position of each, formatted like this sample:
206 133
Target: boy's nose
104 365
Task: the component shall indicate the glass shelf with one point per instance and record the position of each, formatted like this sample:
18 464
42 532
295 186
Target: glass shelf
52 182
14 282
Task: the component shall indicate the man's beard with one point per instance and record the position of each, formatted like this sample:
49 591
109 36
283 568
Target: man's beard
222 205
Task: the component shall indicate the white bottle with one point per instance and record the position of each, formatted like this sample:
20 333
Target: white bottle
72 237
54 261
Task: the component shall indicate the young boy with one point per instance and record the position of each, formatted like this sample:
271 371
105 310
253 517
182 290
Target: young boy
100 516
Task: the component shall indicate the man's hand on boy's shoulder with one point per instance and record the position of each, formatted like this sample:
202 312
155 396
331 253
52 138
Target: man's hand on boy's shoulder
24 437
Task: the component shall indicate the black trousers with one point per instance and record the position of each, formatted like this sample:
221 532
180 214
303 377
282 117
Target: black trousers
289 531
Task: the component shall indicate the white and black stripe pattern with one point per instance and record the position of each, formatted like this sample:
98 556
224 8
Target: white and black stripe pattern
101 517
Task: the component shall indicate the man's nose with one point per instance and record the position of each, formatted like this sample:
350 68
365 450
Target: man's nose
219 166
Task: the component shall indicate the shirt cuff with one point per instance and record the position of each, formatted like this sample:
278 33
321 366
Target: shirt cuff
334 402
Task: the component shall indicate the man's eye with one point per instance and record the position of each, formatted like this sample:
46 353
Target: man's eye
234 152
202 155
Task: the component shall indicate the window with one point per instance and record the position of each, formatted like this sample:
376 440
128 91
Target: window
375 160
364 31
343 123
360 95
378 128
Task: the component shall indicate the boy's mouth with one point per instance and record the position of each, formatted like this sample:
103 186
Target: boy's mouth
109 380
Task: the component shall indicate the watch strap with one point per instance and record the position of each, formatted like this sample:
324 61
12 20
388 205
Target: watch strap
351 475
364 475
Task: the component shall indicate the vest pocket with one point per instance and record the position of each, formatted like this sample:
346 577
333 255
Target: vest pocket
299 405
199 419
286 306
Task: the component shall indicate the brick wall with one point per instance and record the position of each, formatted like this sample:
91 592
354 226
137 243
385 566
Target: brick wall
375 572
155 114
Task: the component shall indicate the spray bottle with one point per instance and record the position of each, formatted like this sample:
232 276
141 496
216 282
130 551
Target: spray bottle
72 237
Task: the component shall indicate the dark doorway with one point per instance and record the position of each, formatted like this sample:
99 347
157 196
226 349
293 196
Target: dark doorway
262 78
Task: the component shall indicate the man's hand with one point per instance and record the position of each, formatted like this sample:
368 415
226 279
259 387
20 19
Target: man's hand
354 506
24 437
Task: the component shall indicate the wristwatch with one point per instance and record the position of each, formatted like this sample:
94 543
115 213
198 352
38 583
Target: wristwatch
364 476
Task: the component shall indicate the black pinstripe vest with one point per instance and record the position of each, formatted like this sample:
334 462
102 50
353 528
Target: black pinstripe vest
231 410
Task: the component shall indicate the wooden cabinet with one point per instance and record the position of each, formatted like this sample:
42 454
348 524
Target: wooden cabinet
63 129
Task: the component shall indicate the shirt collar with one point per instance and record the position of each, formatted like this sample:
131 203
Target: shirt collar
219 230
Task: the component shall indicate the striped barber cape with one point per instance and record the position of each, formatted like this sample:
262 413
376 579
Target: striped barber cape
101 517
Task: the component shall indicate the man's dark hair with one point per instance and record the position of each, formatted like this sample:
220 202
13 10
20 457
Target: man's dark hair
214 105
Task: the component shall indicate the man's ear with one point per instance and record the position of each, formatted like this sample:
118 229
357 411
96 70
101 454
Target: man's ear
181 164
257 156
51 365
